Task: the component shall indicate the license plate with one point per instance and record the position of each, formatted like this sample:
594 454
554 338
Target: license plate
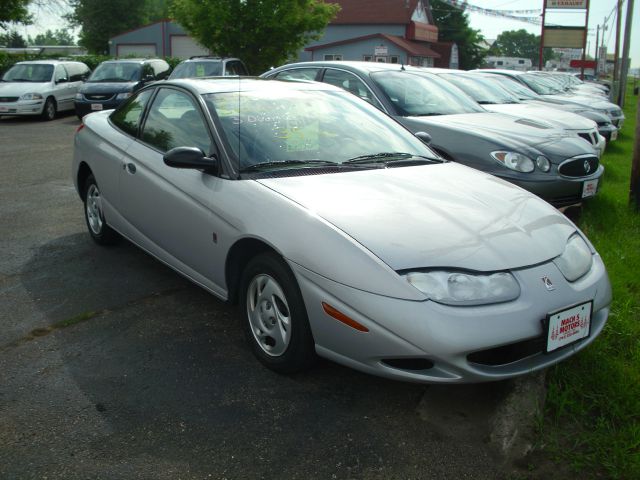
96 106
4 109
589 188
568 326
614 135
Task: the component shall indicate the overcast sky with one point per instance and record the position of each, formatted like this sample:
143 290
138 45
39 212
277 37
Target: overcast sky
46 18
491 27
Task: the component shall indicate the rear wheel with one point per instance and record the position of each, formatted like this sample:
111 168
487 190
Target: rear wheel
94 216
49 110
274 316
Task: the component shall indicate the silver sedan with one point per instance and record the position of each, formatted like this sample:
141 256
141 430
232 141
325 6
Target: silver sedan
340 233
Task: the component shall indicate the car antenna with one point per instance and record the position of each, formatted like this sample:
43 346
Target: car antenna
402 67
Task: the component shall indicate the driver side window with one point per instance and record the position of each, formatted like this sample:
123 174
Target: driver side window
61 74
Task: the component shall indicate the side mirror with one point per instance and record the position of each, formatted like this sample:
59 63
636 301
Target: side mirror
424 136
62 80
192 158
148 78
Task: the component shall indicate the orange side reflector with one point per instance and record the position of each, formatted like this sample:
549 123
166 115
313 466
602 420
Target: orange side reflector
341 317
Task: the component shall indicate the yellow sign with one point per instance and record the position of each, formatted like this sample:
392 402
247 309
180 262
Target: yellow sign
564 37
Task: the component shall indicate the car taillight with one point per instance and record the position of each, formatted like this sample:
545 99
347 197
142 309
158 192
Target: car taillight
80 127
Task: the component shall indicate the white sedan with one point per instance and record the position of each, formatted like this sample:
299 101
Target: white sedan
339 232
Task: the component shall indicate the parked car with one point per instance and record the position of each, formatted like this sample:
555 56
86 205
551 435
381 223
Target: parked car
605 128
113 81
339 232
42 87
553 92
206 66
562 169
494 98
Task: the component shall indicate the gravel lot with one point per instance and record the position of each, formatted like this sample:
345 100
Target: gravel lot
113 366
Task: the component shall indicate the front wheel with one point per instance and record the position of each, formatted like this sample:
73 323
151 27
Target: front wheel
274 316
49 110
94 216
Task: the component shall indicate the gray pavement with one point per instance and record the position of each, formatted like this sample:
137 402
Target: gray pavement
113 366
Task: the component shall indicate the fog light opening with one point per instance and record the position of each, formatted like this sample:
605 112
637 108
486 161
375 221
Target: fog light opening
413 364
341 317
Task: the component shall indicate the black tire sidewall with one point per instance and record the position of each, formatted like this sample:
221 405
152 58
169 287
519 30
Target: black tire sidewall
300 354
45 111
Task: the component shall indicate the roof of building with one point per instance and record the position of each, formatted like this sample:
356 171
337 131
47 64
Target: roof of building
388 12
417 49
443 49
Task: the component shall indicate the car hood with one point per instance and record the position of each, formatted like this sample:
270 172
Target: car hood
15 89
554 117
590 101
107 87
444 215
515 127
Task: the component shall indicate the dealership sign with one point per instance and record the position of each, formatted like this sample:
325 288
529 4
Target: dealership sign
567 37
573 4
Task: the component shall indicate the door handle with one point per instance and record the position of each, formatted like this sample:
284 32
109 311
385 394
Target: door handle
131 168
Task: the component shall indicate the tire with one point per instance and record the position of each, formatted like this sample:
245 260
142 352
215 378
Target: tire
274 317
50 109
101 233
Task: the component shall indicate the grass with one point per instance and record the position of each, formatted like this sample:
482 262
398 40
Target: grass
592 415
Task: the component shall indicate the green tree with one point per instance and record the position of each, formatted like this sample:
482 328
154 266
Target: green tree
100 20
263 33
51 37
453 26
520 43
14 11
12 40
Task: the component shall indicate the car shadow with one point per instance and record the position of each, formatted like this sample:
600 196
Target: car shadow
165 366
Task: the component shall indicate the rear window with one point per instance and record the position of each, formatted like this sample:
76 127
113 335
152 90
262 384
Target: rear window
116 72
197 69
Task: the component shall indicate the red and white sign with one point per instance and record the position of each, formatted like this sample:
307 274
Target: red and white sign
569 326
4 109
589 188
573 4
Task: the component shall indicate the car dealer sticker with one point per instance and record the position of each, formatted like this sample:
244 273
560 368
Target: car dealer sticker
98 106
568 326
589 188
4 109
614 135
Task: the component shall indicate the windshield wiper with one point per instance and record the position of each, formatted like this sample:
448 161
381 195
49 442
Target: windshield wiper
391 158
287 163
487 102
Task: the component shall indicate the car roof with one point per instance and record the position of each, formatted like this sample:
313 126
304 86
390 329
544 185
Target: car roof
368 67
207 58
133 60
203 86
512 73
46 62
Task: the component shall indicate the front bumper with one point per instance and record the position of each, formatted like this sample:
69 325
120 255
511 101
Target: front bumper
443 344
22 107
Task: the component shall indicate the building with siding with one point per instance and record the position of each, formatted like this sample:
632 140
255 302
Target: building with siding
164 38
393 31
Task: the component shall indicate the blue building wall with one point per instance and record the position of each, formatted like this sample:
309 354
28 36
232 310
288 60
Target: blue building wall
158 34
357 50
337 33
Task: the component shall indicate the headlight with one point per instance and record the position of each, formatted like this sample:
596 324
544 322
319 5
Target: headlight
514 161
78 96
576 259
123 95
31 96
460 288
543 163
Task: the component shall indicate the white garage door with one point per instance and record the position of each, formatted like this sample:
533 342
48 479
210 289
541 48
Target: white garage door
185 47
139 50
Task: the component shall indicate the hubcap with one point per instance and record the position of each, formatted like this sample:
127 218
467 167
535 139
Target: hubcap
94 209
269 315
50 110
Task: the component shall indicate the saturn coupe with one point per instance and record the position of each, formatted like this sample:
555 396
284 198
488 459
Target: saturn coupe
339 232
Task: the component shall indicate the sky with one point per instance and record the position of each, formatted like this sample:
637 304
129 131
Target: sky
491 27
47 17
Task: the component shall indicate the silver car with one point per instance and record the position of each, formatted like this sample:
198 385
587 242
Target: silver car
340 233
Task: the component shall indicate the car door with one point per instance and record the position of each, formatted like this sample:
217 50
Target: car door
169 209
64 91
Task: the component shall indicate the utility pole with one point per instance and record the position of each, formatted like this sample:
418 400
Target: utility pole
616 66
595 70
544 11
584 43
625 53
634 190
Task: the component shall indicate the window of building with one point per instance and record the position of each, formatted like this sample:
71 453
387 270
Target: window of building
499 62
333 56
521 62
381 59
367 58
394 59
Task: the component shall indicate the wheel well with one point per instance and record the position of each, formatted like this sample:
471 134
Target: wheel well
51 97
239 256
83 173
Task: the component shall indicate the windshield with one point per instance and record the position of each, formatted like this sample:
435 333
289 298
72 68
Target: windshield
197 69
29 72
480 89
423 94
116 72
541 86
273 127
512 86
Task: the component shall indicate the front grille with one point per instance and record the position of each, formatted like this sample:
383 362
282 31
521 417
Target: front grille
579 167
99 96
564 201
588 137
8 99
508 353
